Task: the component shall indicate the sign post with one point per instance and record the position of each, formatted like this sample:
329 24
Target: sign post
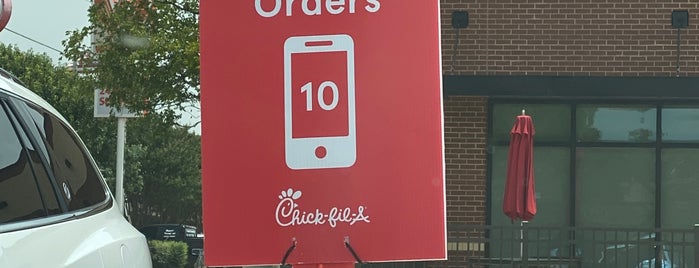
102 109
121 141
322 132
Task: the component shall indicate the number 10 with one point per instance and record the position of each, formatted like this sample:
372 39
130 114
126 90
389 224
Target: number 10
308 89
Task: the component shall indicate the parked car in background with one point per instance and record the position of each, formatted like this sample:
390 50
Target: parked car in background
641 257
55 208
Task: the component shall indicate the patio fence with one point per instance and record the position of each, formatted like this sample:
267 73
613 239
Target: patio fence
480 246
568 247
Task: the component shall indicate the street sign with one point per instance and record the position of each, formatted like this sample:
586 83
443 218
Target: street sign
102 108
322 129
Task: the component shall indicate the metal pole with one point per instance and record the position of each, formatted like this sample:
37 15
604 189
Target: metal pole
521 239
696 244
121 140
524 249
679 32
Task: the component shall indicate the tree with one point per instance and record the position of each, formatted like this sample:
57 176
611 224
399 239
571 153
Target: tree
149 50
66 91
162 161
145 50
169 174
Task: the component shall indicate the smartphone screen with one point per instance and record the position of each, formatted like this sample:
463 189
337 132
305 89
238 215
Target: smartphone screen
319 96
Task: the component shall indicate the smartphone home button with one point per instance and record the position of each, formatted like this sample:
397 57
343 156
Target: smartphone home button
321 152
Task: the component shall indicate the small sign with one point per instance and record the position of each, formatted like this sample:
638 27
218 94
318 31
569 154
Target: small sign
102 108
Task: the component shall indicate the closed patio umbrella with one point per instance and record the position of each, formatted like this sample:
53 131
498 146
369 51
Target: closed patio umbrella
519 199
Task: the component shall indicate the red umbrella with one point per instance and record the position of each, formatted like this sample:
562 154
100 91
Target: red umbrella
519 200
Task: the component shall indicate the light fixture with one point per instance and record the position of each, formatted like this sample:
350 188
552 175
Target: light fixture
680 19
459 19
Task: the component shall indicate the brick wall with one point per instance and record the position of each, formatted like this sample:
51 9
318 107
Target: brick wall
464 136
570 37
465 122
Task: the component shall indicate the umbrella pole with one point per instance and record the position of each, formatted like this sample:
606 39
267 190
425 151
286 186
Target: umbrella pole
521 239
522 246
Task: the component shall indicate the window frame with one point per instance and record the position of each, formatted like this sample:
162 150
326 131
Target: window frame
17 114
79 145
26 177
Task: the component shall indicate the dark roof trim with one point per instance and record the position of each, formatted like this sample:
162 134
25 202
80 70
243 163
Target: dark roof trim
572 86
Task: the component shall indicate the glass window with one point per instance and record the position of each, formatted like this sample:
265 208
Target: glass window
19 194
46 189
680 124
680 182
615 187
552 121
627 123
77 178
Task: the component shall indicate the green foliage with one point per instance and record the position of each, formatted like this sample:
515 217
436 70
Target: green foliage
168 175
168 254
146 50
65 90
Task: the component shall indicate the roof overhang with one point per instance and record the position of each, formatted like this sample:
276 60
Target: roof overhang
572 86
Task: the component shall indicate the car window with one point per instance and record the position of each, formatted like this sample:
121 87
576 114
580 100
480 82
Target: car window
19 194
37 151
78 181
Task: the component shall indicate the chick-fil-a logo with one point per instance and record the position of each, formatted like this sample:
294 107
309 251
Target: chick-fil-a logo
288 213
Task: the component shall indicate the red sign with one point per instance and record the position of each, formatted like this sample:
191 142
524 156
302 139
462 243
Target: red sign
322 126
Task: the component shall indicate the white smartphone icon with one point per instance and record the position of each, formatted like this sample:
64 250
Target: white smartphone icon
319 102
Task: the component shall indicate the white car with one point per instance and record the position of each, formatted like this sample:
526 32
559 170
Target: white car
55 209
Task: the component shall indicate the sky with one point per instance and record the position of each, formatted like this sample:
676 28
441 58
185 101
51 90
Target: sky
46 23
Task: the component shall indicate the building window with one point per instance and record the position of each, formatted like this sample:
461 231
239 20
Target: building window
552 121
607 123
680 181
615 187
615 171
680 124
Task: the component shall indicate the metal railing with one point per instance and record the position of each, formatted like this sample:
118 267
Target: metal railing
393 265
567 247
481 246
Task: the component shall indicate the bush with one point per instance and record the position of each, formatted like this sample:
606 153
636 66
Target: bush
168 254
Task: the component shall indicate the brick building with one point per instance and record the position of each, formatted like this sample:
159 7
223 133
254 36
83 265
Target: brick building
613 89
